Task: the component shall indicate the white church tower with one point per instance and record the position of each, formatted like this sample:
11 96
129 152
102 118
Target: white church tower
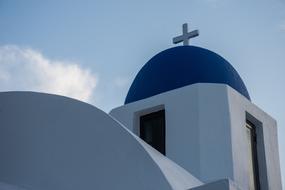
192 106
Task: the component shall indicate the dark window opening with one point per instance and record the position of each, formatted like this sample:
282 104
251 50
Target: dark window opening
152 130
253 161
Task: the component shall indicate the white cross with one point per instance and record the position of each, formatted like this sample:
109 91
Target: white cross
185 37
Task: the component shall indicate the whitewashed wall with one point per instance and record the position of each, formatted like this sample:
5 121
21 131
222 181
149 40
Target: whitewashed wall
267 142
205 132
50 142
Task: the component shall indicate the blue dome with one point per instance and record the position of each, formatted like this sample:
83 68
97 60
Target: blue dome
181 66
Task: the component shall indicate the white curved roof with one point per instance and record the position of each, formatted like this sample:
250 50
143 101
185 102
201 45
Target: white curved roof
50 142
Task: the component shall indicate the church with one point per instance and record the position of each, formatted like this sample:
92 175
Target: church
187 123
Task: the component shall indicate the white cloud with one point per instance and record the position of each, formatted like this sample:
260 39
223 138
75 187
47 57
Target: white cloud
28 69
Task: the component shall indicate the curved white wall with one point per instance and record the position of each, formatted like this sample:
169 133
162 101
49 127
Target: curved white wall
49 142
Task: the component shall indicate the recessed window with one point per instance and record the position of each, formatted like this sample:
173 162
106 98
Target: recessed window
152 130
254 183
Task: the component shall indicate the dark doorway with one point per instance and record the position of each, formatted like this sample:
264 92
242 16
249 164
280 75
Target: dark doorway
253 161
152 130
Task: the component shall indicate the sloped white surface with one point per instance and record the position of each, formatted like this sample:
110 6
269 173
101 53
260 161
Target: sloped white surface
50 142
178 177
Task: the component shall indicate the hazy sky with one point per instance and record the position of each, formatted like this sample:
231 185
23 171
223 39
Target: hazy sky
92 50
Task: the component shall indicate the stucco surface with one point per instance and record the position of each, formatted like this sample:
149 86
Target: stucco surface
206 133
50 142
197 128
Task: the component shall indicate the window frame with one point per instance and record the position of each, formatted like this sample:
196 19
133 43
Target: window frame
148 117
254 151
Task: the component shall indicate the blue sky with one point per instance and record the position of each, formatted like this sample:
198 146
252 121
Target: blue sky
92 50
